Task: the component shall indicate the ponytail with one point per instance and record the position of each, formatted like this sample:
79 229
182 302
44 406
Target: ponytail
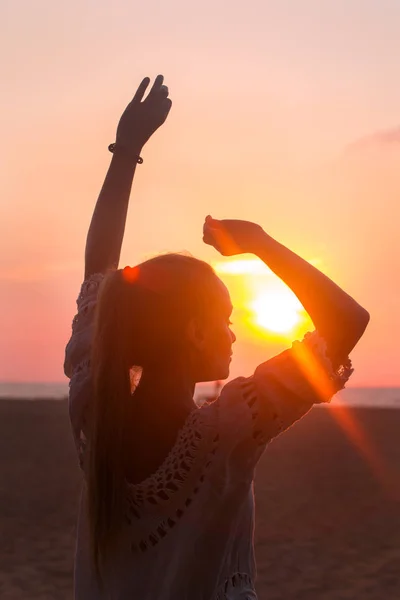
112 396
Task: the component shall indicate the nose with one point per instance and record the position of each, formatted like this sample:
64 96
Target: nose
233 337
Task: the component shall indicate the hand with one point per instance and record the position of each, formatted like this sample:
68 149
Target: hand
141 119
231 236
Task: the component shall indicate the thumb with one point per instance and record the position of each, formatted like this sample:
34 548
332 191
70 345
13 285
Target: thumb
212 223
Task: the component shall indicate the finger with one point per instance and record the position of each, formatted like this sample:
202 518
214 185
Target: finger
141 90
207 223
156 86
167 106
163 93
213 223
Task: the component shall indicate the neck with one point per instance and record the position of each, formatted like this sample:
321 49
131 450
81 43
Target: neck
166 390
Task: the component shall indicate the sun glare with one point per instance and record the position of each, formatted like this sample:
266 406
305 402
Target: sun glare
277 311
242 267
269 305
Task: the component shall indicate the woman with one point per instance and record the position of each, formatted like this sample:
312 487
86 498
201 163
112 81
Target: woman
167 507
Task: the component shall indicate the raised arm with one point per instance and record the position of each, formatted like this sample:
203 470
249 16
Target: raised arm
339 319
139 121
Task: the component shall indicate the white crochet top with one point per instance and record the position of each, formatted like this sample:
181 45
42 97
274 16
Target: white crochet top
189 527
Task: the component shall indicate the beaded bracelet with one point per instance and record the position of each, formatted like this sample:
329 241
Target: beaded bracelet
111 148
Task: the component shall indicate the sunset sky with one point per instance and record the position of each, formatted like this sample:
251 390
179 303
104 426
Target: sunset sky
284 112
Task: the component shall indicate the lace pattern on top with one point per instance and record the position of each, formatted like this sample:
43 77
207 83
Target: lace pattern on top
174 484
300 377
317 345
237 582
308 371
261 434
87 298
77 361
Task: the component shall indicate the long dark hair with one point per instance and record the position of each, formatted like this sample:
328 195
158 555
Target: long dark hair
140 319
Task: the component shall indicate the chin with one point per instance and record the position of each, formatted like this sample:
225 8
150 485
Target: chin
223 374
215 375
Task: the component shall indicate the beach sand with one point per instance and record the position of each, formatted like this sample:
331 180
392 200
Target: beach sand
327 494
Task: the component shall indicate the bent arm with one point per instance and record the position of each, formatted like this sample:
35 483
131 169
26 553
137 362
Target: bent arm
106 231
339 319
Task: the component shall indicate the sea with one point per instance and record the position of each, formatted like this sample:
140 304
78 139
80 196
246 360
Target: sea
384 397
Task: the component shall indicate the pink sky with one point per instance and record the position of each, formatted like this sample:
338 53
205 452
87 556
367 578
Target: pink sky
269 100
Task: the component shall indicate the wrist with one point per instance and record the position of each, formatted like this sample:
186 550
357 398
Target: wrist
260 242
125 152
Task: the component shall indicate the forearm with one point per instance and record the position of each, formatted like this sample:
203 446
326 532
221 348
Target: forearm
140 119
338 318
106 231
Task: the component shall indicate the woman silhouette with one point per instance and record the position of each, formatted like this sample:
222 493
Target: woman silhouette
167 507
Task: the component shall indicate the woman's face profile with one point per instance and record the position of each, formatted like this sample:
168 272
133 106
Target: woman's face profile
214 338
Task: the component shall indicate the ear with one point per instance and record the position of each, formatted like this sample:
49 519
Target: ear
195 334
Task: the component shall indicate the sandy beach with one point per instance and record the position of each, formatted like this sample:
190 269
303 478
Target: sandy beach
327 492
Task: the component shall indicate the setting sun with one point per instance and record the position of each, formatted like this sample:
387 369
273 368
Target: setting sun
277 311
267 307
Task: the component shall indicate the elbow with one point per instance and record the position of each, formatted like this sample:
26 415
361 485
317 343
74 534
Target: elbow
356 327
348 335
362 320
